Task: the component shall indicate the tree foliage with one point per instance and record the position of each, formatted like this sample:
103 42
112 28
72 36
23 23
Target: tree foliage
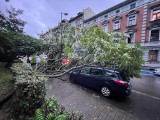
11 22
92 46
14 44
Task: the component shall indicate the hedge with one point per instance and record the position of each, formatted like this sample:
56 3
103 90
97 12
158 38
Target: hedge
30 91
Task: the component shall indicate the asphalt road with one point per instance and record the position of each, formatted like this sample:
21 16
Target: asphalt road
144 102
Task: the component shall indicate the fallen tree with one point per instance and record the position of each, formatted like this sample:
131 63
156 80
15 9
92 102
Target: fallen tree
92 46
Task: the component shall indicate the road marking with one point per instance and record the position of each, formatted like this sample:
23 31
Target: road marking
146 94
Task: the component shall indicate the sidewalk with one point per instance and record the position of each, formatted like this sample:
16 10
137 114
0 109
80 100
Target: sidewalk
151 65
92 105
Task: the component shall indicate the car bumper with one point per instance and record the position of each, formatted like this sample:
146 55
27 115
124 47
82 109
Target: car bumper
123 92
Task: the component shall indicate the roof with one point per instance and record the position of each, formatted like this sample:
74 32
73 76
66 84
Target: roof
80 14
110 9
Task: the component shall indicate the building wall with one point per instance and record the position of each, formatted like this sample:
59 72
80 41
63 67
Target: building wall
142 23
148 19
87 13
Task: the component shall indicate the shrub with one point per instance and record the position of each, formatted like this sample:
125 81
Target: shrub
51 110
29 91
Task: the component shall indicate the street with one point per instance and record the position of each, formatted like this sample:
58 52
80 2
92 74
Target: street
144 101
142 104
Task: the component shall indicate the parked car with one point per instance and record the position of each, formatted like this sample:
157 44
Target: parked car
108 82
157 71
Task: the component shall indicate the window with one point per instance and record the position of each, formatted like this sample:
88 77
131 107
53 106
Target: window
78 22
105 28
153 54
100 18
133 5
116 25
155 35
110 74
96 71
85 71
117 11
155 15
105 16
131 38
131 20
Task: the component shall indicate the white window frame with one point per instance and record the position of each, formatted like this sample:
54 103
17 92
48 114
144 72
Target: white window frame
105 15
150 35
114 28
118 12
131 4
105 28
152 15
100 18
135 20
134 34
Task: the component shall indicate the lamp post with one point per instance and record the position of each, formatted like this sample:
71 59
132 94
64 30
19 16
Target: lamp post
61 30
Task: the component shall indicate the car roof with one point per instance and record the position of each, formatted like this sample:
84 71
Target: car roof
101 68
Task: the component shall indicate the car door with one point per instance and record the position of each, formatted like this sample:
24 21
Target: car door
83 76
95 79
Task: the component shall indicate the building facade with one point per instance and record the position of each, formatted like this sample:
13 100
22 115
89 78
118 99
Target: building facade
78 20
140 19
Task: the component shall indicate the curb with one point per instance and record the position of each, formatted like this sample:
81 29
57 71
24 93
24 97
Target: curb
6 98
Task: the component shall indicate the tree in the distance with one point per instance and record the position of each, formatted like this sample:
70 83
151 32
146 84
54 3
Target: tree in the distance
13 41
12 22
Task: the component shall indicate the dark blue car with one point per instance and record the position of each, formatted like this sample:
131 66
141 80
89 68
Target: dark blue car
108 82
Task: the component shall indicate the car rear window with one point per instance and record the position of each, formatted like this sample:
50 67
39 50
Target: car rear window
124 76
110 74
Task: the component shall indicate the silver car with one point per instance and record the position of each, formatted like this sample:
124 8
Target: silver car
157 71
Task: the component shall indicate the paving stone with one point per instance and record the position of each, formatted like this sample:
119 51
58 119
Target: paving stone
85 101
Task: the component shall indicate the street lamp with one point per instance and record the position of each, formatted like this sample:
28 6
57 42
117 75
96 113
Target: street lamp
61 30
63 14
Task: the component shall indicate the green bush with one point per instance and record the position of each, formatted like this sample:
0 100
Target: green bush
29 91
51 110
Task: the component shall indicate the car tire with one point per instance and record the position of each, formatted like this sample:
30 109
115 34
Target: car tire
105 91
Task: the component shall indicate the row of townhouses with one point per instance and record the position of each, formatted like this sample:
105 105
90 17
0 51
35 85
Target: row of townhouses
140 19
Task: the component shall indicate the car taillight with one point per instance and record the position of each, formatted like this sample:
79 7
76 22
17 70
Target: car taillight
120 82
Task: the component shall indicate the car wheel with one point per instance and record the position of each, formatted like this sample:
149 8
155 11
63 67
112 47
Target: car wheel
105 91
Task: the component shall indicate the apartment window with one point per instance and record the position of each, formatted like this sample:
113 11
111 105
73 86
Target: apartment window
132 6
131 38
105 16
105 28
155 15
153 55
117 11
100 18
131 20
116 25
155 35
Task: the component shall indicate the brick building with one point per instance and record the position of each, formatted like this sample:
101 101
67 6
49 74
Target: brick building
140 19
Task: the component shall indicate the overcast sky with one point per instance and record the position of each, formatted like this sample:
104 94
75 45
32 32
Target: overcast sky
43 14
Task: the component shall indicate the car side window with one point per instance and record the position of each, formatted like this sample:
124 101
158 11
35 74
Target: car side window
110 74
96 71
85 71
